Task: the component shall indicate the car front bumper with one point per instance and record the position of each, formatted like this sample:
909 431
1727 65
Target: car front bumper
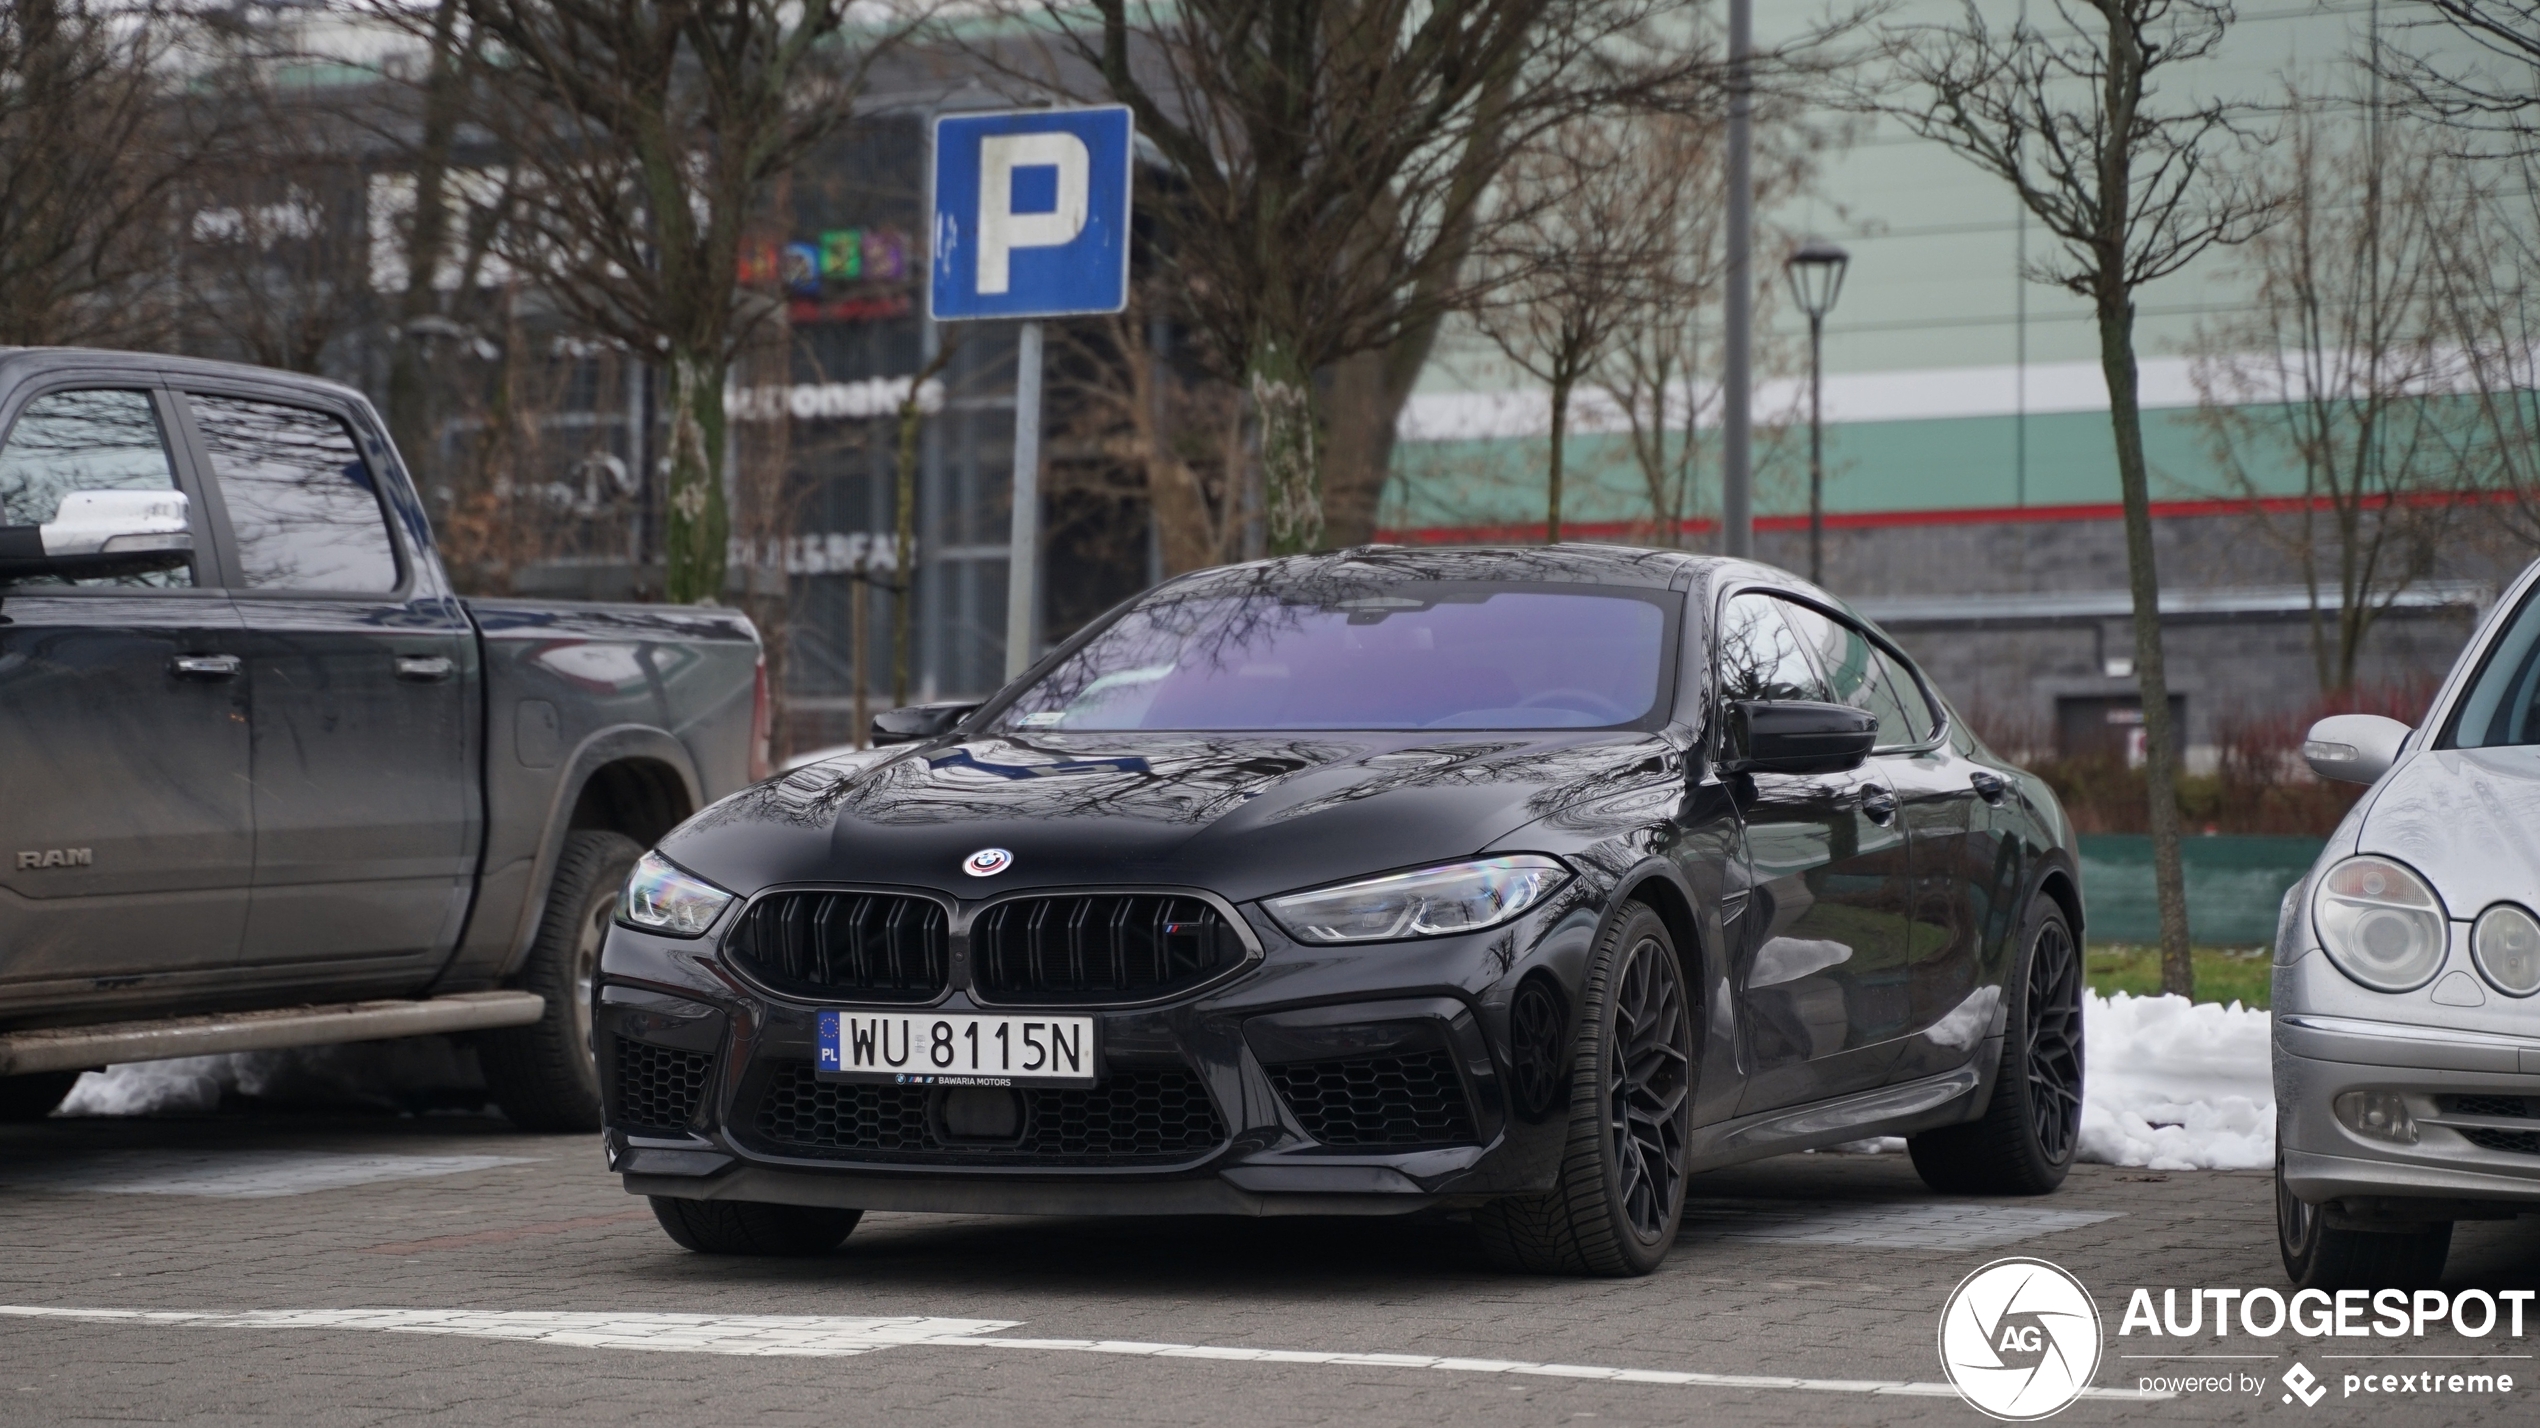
2453 1083
1198 1110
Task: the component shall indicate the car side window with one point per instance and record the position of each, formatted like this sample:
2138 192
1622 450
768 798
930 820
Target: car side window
1760 654
1921 720
1858 675
303 506
65 443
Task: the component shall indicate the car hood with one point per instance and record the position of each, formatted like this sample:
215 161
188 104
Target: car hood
1245 815
2468 819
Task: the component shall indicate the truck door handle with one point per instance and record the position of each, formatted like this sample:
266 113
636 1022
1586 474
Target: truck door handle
423 669
201 666
1987 786
1879 803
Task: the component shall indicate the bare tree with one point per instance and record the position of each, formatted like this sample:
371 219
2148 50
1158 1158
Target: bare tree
1652 374
1566 272
93 139
1134 420
1331 162
2134 181
646 136
2335 367
2490 87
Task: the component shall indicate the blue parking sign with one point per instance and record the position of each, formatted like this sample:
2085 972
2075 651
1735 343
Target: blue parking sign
1031 214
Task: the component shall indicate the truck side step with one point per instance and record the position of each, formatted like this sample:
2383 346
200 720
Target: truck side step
74 1048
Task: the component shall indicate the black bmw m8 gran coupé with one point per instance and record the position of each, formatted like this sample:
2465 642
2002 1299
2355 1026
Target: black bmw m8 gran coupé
1521 884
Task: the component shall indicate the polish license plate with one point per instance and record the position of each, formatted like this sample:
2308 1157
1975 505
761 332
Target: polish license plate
955 1049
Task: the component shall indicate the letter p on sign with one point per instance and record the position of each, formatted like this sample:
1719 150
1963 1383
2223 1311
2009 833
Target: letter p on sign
1001 229
1031 214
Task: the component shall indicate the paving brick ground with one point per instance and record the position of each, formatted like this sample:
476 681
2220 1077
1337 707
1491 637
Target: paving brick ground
546 1230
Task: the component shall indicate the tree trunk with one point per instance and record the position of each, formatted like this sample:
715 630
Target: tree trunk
1282 394
2160 747
1552 471
1361 416
427 239
700 527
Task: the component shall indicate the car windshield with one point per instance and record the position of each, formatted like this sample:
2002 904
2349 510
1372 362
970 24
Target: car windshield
2502 705
1395 657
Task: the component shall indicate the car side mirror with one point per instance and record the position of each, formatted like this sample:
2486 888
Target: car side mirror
2354 748
101 533
1792 736
918 722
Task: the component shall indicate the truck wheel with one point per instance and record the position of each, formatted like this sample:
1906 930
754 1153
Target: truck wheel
747 1227
2317 1256
543 1074
32 1098
2024 1143
1621 1191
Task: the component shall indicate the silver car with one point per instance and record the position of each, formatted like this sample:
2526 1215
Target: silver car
2407 1033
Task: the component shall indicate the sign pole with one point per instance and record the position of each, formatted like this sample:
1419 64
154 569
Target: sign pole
1023 574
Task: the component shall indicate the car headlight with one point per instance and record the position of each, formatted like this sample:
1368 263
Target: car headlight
662 898
2505 944
1434 902
2380 923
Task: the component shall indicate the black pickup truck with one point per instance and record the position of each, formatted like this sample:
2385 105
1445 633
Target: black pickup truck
266 780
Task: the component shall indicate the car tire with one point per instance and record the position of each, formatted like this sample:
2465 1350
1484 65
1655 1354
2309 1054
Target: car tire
2320 1256
543 1075
32 1098
2025 1141
1620 1194
748 1227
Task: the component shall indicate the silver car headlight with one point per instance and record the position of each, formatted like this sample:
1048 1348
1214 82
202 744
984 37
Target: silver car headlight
2380 923
1434 902
2505 943
661 897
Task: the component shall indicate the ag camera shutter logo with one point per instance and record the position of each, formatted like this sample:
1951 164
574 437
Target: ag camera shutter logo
2020 1339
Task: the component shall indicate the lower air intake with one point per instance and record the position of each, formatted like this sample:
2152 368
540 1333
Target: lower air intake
1139 1114
1394 1102
658 1087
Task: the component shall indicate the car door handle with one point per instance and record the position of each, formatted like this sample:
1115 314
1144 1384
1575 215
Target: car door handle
1987 786
203 666
1878 803
423 669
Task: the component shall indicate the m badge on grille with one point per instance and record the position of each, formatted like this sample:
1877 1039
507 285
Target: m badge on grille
987 862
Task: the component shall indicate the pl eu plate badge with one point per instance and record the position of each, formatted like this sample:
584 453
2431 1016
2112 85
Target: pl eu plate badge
829 1041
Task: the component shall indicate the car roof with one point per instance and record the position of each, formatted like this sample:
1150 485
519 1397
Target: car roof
17 363
1624 565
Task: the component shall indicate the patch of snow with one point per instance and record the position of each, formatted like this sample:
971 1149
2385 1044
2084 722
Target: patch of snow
2172 1086
411 1073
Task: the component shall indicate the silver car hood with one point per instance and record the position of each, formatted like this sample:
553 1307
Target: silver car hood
2468 819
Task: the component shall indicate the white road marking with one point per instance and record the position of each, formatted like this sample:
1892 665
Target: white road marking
832 1336
239 1174
1918 1227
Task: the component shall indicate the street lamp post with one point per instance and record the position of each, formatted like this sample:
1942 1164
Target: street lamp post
1816 280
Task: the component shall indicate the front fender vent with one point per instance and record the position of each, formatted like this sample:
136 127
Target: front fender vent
871 947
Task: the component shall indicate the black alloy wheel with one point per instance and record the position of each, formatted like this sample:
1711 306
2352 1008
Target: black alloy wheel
2318 1255
2024 1142
2051 1023
1648 1084
1619 1195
